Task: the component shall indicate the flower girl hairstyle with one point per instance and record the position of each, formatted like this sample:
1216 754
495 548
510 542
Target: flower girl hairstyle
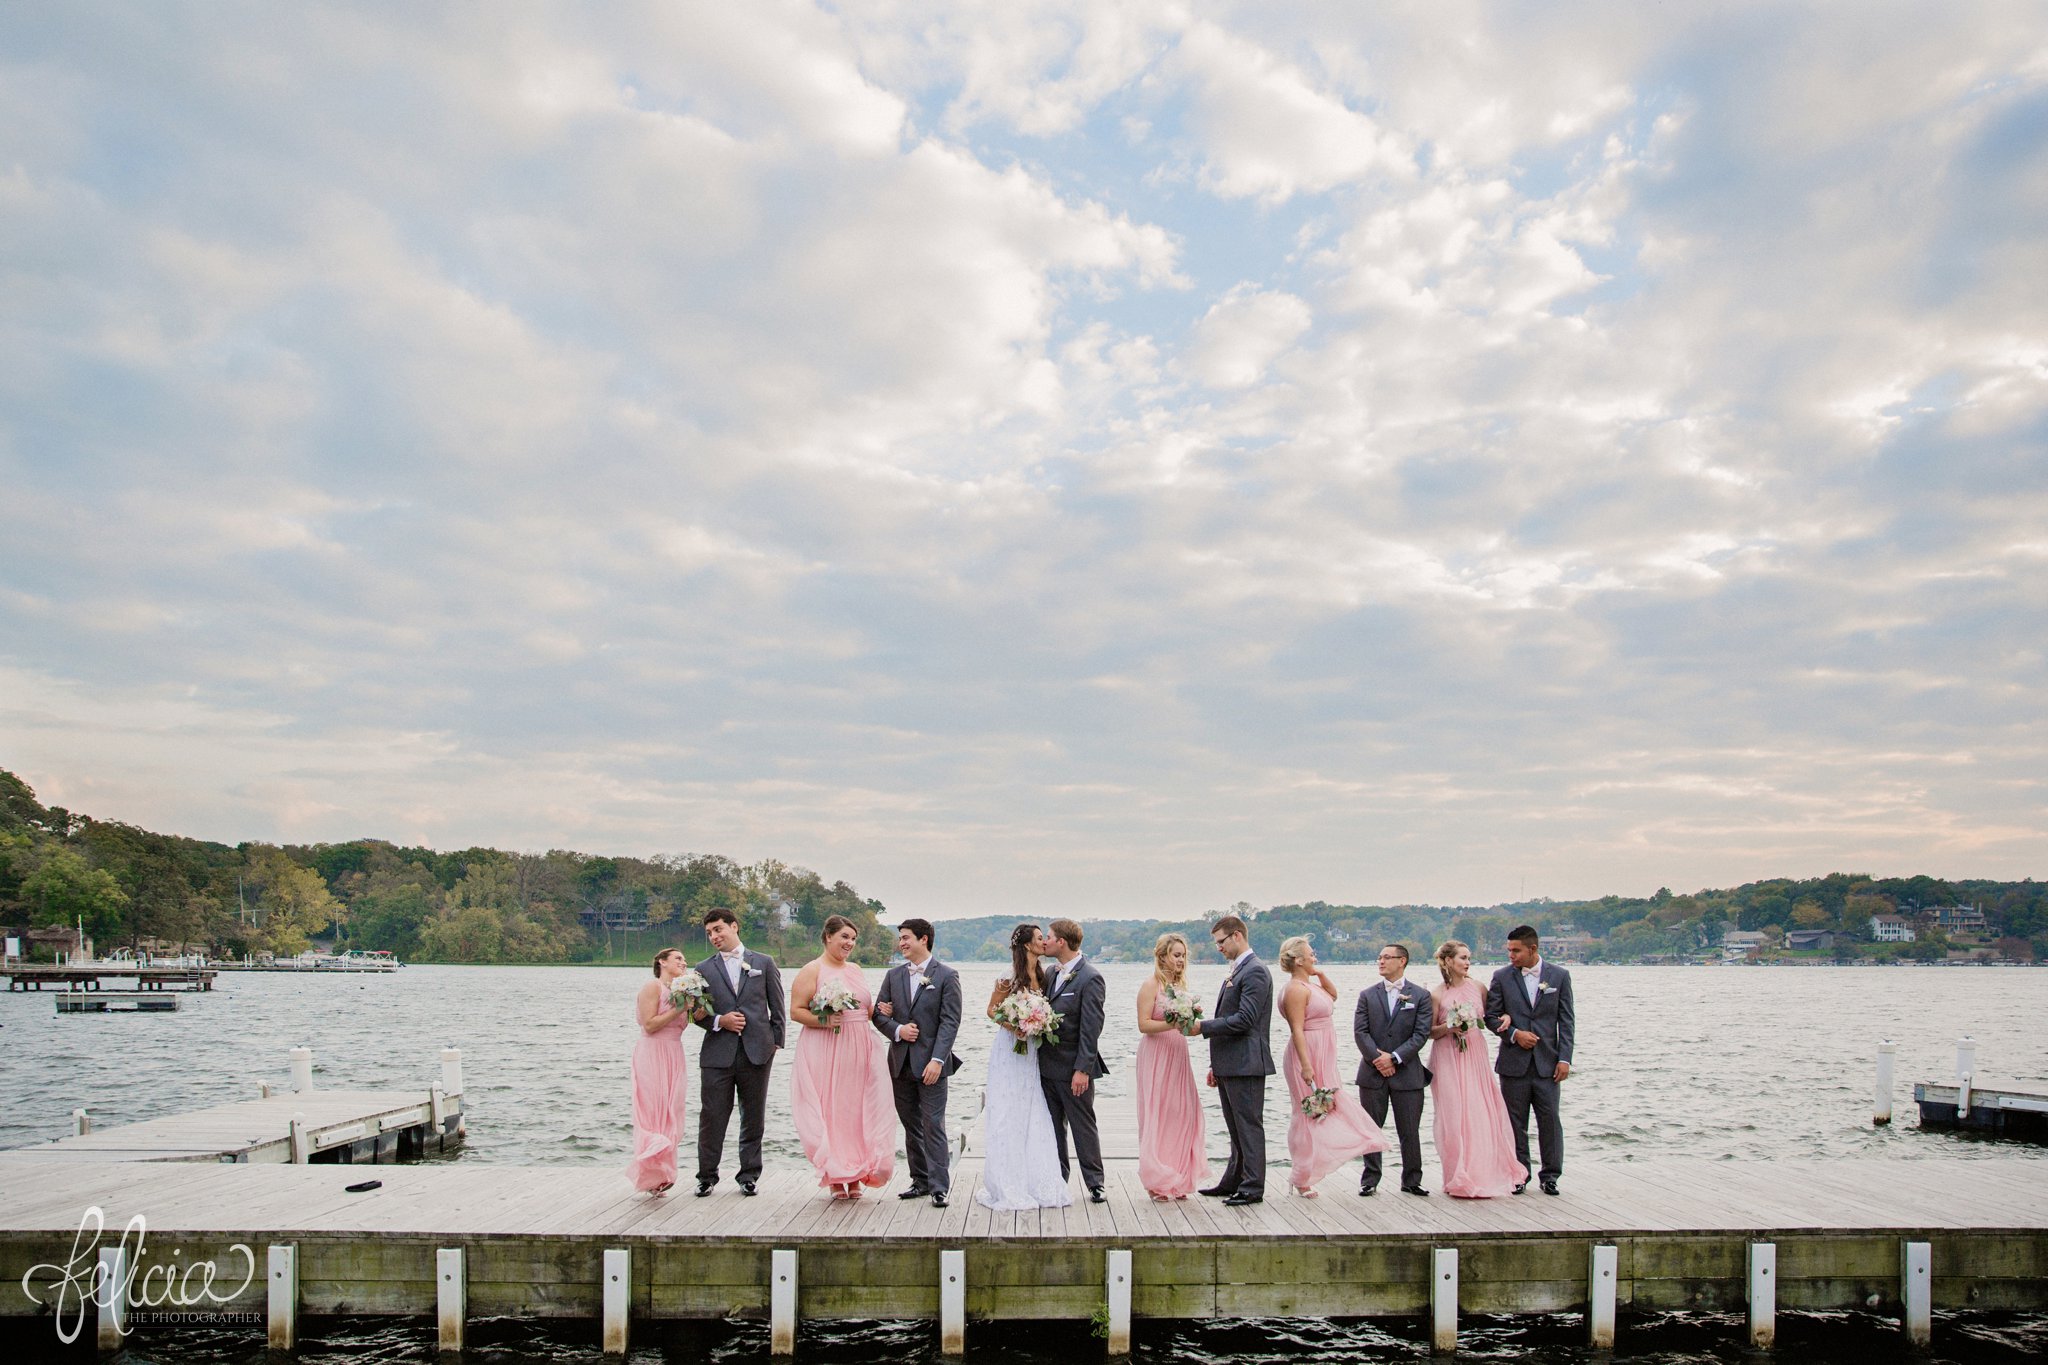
1023 962
1159 969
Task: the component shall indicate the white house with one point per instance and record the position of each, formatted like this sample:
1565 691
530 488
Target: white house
1891 929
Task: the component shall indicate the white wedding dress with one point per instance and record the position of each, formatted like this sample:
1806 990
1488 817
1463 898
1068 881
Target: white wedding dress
1022 1167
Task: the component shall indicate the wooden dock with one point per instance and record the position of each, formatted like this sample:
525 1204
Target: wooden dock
86 976
117 1002
1903 1237
2002 1111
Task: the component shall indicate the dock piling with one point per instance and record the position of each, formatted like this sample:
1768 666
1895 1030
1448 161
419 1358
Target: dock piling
1443 1300
1966 1072
451 1295
302 1069
1116 1282
952 1303
451 1071
284 1298
302 1141
1916 1291
782 1303
1881 1108
1763 1295
618 1280
81 1122
113 1296
1600 1294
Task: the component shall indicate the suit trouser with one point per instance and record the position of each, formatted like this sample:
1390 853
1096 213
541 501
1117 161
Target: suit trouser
1407 1125
921 1109
1244 1117
1539 1092
1078 1112
722 1084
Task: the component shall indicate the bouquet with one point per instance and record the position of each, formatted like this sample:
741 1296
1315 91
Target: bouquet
1029 1015
690 993
1180 1007
1319 1101
833 1000
1462 1019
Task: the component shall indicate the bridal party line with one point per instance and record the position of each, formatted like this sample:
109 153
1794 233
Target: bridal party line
871 1061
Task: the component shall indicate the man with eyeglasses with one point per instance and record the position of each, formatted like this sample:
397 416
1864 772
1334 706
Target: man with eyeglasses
1390 1026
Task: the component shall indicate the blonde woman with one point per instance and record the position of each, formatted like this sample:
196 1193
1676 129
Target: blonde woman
1316 1146
1474 1139
1173 1146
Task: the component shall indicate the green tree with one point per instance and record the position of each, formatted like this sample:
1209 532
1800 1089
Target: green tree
293 902
65 890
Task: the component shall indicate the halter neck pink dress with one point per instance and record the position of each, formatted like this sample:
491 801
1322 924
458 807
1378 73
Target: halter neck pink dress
839 1095
1318 1146
1469 1118
1173 1148
661 1094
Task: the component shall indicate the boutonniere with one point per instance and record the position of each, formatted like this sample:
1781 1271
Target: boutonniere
747 969
1546 989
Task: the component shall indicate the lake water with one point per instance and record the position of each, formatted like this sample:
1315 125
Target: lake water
1740 1063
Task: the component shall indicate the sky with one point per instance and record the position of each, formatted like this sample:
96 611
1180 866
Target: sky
1112 459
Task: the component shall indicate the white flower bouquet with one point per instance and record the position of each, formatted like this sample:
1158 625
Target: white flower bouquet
1319 1101
1029 1015
1461 1019
690 992
833 999
1180 1007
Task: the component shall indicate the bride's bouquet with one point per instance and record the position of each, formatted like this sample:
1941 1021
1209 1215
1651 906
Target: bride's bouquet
1319 1101
1030 1016
833 999
1461 1019
1180 1007
690 993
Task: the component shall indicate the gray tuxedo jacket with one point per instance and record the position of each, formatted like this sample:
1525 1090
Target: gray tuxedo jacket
1401 1031
935 1009
1550 1019
1240 1033
759 998
1081 1001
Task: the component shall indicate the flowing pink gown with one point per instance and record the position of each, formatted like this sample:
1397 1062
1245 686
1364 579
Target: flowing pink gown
661 1094
845 1113
1173 1148
1470 1119
1319 1146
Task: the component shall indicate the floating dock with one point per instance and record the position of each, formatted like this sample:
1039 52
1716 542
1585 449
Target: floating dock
2001 1112
117 1002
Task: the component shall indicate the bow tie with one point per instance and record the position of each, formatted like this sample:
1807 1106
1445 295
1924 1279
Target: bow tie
734 956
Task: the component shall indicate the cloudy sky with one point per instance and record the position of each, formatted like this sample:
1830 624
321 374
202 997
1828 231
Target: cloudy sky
1017 456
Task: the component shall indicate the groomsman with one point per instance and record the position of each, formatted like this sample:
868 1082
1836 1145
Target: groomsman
1529 1005
741 1036
918 1011
1390 1026
1069 1068
1240 1059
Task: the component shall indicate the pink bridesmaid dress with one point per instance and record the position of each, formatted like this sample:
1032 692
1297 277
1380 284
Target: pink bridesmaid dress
1469 1117
845 1113
1173 1148
661 1094
1319 1146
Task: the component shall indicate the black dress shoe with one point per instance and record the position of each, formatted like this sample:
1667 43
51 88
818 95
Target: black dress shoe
1523 1186
914 1192
747 1187
1549 1183
939 1200
704 1187
1238 1201
1217 1192
1367 1189
1096 1196
1415 1189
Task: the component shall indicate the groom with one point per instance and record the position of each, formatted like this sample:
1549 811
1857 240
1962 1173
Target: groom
1240 1059
1068 1068
742 1034
918 1011
1529 1005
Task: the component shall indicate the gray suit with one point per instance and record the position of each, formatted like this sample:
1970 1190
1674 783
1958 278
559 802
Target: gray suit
921 1108
1400 1034
1081 1001
1527 1074
1241 1056
736 1065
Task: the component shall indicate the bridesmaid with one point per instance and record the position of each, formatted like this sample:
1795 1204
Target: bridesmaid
1469 1117
661 1078
1321 1145
1173 1146
845 1112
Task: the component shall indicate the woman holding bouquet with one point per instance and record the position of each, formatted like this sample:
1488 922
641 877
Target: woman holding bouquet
661 1075
1022 1167
1329 1126
1173 1146
1470 1119
845 1112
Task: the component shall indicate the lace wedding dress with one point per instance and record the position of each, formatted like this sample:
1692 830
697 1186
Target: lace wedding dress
1022 1168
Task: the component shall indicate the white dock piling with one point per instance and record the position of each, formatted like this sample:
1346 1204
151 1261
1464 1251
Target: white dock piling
81 1122
1966 1072
451 1071
1763 1294
284 1298
113 1296
952 1303
1600 1294
451 1297
1116 1282
618 1279
1443 1300
782 1303
1916 1291
302 1141
1881 1106
302 1070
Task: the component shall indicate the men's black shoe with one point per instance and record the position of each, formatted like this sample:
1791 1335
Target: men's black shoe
704 1187
1523 1186
1096 1196
1549 1184
1238 1201
747 1187
939 1200
1368 1188
914 1192
1217 1192
1415 1189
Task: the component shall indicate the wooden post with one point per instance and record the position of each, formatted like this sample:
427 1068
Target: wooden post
263 1090
1600 1287
1881 1109
1763 1294
1916 1290
451 1071
302 1069
302 1141
1443 1300
782 1303
113 1297
451 1292
1966 1072
952 1303
81 1122
1116 1282
437 1110
618 1280
284 1298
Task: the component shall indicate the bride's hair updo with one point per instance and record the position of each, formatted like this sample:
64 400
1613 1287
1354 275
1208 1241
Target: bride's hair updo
1023 962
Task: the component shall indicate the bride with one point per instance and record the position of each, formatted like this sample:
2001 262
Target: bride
1022 1168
